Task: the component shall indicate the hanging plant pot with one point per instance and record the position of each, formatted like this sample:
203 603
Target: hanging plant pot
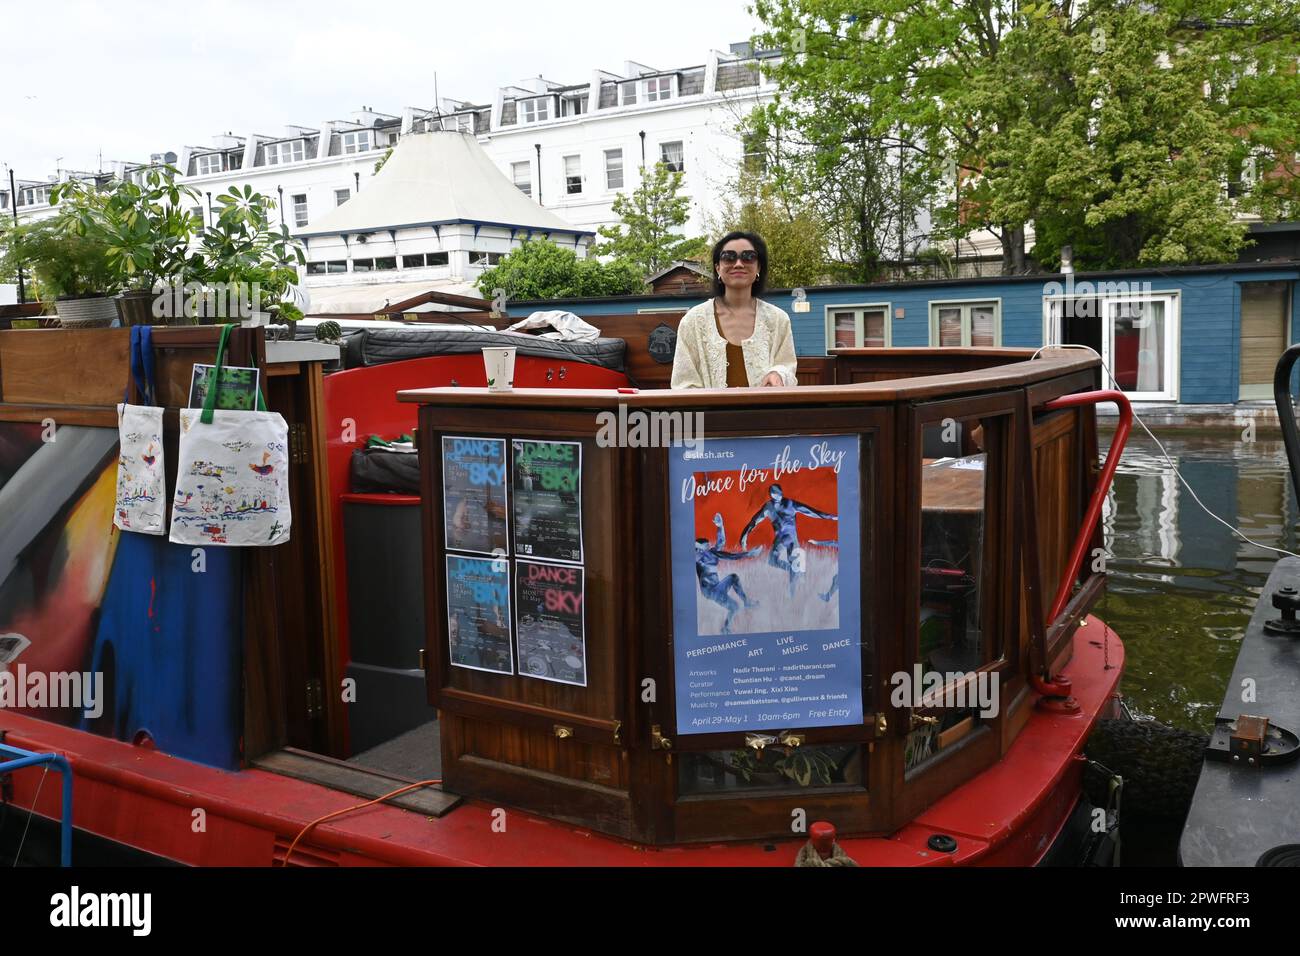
86 311
136 308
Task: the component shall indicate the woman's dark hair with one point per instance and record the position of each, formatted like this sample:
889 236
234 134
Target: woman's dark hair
760 284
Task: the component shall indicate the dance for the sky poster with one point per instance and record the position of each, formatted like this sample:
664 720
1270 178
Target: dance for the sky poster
766 578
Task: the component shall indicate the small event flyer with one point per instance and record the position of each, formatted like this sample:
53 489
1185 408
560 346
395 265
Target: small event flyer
478 614
236 390
548 500
474 494
766 583
549 627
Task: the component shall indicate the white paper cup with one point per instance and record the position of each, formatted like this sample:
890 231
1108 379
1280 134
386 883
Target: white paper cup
499 363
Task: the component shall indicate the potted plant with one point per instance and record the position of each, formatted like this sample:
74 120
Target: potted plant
147 229
68 268
249 260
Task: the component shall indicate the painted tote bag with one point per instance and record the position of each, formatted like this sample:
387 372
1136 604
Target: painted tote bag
232 481
141 481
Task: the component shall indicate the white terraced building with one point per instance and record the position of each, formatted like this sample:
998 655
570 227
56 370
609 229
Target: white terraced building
571 147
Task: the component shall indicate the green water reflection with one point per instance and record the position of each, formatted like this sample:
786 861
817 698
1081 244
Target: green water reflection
1182 587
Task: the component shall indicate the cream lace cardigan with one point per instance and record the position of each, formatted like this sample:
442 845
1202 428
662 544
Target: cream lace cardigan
701 357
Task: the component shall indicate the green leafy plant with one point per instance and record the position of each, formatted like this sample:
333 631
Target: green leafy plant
795 764
145 227
653 217
62 262
540 269
242 249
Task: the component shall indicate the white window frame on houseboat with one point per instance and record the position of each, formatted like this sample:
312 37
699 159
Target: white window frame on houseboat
535 110
525 183
659 88
1172 300
205 164
280 154
611 168
572 176
356 141
859 310
965 305
299 203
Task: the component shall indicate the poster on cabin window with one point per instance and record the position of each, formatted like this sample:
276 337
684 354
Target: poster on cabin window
474 494
549 633
547 488
765 583
478 614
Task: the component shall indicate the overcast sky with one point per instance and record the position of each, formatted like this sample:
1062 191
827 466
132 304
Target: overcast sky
128 78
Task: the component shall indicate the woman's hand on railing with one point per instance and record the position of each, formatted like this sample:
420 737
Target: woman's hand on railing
772 380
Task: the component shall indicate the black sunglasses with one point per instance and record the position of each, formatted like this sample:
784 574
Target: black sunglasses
731 255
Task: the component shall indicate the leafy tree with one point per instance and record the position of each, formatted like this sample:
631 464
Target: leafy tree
795 236
1112 124
653 217
826 159
540 269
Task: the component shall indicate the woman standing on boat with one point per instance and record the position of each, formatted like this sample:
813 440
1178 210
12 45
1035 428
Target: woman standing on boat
735 340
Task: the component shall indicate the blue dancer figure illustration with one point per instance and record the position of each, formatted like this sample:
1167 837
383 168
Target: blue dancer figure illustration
716 589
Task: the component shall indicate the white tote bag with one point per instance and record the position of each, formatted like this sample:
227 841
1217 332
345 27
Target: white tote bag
141 504
232 482
141 482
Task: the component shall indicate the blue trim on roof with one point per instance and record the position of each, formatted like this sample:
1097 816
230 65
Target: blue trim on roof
476 223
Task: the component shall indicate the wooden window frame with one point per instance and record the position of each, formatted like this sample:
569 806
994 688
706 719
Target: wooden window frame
859 322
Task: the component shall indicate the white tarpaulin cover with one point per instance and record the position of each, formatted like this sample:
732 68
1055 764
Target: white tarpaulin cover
565 326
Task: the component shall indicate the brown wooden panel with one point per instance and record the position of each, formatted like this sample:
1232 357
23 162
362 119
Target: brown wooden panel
64 366
1051 369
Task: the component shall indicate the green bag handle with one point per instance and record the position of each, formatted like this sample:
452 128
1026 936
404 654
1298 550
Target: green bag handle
210 400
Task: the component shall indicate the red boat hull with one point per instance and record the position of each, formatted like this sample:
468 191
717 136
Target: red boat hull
1009 815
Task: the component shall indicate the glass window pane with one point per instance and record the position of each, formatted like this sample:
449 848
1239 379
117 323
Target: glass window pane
951 644
949 326
982 325
845 330
873 329
1138 349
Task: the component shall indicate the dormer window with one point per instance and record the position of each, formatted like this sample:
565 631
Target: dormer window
535 111
460 123
357 141
292 151
573 105
628 93
658 88
207 164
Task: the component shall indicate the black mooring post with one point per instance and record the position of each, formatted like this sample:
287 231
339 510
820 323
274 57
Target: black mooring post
1286 412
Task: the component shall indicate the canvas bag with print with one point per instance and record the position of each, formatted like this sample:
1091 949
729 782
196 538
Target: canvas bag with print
141 504
232 482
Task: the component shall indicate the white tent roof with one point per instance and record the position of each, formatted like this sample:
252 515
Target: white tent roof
438 177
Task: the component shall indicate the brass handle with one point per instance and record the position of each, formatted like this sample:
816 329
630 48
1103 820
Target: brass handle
422 667
882 724
564 733
658 741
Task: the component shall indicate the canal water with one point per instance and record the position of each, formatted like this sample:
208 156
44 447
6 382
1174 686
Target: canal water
1182 587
